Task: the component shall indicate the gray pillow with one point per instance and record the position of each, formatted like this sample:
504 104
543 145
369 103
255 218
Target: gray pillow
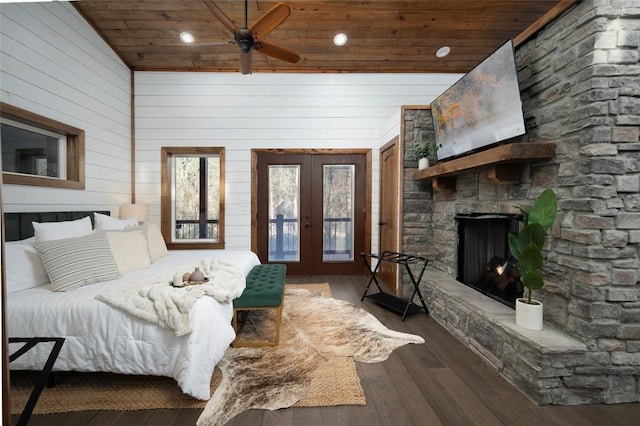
74 262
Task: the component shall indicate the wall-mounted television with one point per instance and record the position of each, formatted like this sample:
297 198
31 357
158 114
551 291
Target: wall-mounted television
481 109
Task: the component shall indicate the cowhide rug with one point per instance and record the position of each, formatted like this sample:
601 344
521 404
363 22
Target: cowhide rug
314 329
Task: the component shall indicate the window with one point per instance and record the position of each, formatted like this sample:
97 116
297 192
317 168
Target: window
39 151
192 213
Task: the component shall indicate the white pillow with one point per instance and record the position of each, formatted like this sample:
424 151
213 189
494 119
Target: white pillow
130 250
155 241
74 262
48 231
30 240
108 223
157 246
24 268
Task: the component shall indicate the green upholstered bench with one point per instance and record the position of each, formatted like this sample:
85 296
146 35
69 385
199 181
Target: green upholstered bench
264 290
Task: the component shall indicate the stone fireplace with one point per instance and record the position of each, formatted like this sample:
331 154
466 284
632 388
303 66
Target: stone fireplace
484 261
578 80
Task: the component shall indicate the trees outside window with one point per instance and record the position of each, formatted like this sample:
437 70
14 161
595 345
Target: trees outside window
192 213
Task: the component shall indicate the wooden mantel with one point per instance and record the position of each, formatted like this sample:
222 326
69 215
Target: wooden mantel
501 163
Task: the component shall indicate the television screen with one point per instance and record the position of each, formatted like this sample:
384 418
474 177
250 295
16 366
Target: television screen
480 109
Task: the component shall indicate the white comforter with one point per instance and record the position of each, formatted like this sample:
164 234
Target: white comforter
153 300
102 338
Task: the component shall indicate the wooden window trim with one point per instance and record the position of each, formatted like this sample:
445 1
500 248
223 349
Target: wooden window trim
75 150
165 196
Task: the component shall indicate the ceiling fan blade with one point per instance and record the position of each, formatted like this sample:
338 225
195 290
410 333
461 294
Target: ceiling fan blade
220 16
269 21
245 62
276 52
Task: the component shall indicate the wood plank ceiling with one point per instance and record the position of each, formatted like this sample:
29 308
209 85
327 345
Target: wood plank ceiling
383 35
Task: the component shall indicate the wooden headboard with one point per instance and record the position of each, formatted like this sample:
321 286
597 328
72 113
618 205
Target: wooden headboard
17 226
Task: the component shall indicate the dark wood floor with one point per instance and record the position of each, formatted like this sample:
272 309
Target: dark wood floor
440 382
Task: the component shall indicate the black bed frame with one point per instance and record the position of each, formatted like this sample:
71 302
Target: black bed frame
17 226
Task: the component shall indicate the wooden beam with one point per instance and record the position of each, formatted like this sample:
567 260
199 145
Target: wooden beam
519 152
545 19
444 184
502 174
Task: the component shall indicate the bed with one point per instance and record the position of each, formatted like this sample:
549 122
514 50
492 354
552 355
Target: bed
100 337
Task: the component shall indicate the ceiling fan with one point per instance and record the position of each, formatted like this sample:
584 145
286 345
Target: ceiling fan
250 38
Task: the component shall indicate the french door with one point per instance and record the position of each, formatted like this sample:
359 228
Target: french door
311 212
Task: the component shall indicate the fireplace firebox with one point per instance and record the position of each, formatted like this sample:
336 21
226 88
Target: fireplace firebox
484 261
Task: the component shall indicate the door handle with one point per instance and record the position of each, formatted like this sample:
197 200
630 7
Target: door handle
307 223
382 223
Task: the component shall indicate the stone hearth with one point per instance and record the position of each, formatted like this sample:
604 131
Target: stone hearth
579 86
536 362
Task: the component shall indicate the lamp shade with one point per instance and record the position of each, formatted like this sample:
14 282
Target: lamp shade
139 211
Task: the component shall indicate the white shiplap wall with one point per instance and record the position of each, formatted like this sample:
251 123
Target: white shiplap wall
54 64
241 112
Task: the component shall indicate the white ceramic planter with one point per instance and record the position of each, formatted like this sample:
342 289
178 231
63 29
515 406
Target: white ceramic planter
529 316
423 163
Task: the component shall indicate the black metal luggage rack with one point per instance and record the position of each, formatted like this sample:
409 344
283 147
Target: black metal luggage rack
44 378
391 301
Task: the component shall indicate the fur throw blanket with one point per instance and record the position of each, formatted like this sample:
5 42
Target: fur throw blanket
156 301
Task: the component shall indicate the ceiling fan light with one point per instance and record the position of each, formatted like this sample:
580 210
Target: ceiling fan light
340 39
443 51
186 37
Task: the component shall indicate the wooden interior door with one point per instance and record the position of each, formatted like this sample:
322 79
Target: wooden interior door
311 211
388 224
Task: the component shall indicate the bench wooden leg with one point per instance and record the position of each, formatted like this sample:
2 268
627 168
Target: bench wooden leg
278 323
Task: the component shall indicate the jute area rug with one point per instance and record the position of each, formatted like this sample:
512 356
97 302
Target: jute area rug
314 365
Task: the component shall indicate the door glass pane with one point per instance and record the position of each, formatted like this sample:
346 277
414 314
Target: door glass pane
284 212
337 211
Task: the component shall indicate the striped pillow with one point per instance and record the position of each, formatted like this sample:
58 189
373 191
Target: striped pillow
74 262
156 246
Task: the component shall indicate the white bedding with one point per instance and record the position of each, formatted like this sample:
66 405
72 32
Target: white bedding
102 338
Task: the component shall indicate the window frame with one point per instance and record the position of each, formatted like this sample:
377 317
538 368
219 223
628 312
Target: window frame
166 190
75 146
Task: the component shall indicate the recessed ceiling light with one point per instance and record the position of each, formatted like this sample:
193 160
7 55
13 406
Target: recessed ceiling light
340 39
187 37
443 51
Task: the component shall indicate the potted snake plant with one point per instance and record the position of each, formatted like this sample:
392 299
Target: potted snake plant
526 249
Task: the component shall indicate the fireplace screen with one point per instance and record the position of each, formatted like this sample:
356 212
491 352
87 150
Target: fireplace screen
484 261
